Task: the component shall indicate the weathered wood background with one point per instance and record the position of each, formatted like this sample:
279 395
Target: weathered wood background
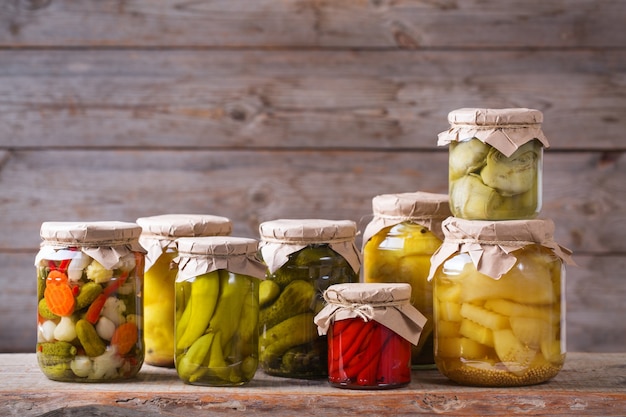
262 109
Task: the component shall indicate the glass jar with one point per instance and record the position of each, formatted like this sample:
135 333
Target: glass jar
158 238
398 244
89 286
303 258
370 330
495 163
499 302
217 310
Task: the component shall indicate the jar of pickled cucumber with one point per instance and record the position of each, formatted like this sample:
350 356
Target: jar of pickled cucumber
403 234
370 328
303 257
499 302
495 163
217 310
89 286
158 238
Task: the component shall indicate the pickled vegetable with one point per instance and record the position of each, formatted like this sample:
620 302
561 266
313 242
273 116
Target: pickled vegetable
289 344
484 184
401 253
216 331
74 340
367 355
504 332
159 311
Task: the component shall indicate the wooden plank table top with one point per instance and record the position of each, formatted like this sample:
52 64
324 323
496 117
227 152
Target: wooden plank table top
590 384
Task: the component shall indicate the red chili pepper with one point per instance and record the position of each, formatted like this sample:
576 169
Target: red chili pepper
368 374
64 264
345 337
52 265
350 345
394 367
93 312
115 285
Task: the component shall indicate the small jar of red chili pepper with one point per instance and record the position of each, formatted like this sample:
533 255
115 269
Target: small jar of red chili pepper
370 330
89 286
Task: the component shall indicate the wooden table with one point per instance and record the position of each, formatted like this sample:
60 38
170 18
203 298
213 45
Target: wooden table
590 384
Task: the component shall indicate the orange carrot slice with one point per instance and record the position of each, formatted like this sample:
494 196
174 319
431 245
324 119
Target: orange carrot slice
59 298
125 337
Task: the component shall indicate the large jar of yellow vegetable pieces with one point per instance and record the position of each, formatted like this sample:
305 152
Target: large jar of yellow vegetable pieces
158 238
499 302
304 257
89 286
495 163
398 243
217 310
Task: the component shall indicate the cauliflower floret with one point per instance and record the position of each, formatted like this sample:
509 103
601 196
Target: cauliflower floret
114 310
106 365
126 263
98 273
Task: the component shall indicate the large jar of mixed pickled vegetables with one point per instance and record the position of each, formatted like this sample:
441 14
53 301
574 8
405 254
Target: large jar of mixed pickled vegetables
217 310
158 238
495 163
499 302
398 243
370 328
89 286
303 257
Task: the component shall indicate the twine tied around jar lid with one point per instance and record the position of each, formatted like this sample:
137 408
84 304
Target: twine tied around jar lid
423 208
504 129
389 304
280 238
105 241
491 245
201 255
159 233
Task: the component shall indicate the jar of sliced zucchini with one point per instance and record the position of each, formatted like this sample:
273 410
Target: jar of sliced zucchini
495 163
499 302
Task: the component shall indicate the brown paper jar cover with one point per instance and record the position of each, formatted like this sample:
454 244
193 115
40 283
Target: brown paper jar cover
280 238
160 232
492 244
504 129
423 208
105 241
389 304
201 255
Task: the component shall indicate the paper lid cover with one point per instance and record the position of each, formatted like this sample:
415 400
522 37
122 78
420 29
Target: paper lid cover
388 304
105 241
423 208
504 129
160 232
201 255
491 244
282 237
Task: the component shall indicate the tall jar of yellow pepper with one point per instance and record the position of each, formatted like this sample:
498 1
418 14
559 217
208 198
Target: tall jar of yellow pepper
398 243
303 257
495 163
499 302
89 288
158 237
217 310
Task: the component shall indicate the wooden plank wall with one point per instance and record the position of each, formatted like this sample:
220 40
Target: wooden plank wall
262 109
